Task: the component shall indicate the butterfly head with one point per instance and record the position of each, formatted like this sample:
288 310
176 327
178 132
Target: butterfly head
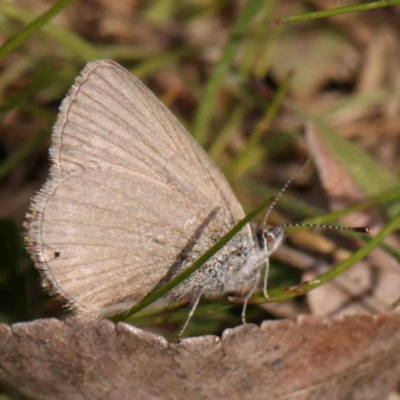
270 237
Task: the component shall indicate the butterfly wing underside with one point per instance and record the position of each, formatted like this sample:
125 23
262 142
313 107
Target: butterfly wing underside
128 189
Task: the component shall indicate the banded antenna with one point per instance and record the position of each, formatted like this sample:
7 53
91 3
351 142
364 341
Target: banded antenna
358 229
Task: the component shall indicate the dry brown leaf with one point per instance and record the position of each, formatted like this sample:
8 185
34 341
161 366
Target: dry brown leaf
370 286
307 48
339 186
350 358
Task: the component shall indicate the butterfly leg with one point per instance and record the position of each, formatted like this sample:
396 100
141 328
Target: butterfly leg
248 295
193 307
266 272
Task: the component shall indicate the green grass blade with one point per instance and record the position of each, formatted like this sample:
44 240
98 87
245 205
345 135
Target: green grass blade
8 75
221 141
22 153
74 43
389 196
210 93
246 159
42 79
160 61
336 11
34 26
256 49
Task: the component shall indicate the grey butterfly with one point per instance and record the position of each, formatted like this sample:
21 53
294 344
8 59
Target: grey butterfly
132 200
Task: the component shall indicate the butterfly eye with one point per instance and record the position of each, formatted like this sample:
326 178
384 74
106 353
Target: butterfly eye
270 241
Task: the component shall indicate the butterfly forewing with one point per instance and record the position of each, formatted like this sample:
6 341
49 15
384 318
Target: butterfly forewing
129 189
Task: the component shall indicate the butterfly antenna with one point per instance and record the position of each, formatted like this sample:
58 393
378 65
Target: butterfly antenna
282 191
358 229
